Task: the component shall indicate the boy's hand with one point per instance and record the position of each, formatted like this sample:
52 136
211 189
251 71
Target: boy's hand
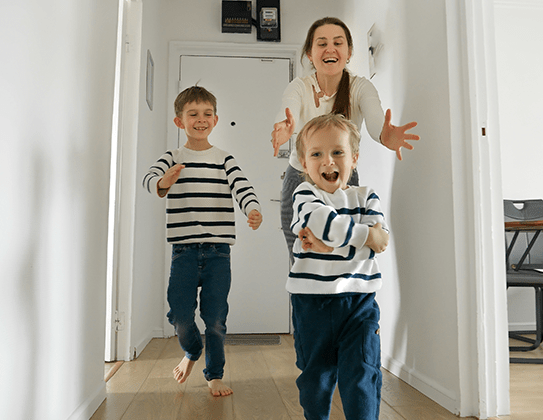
170 177
310 241
377 238
254 219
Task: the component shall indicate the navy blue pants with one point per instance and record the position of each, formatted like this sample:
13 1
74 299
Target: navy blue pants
204 267
337 342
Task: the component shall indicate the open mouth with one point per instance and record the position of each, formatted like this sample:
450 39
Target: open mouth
330 176
330 60
200 128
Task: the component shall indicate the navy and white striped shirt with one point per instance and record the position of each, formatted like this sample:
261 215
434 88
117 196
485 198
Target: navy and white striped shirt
341 220
200 206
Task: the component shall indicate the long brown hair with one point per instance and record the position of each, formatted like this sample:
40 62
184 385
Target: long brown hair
342 104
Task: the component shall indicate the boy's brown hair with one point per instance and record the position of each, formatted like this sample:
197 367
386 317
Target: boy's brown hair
196 94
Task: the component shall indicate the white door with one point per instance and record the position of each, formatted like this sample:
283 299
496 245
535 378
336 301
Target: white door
248 92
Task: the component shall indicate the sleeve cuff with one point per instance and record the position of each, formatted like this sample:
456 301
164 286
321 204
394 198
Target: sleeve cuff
360 235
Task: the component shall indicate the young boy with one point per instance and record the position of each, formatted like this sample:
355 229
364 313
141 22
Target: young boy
335 275
199 181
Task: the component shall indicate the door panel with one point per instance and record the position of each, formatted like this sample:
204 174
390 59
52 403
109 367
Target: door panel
248 92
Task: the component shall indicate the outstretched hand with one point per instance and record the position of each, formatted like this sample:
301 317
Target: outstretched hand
254 219
310 241
394 138
282 131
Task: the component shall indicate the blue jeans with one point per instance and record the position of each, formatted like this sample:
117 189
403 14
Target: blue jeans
204 266
337 342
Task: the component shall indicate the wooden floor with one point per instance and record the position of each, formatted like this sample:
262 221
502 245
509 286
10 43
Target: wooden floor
263 380
526 386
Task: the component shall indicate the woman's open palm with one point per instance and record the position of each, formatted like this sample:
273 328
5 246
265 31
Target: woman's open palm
394 138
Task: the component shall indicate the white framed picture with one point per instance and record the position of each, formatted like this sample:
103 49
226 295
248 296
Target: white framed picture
150 77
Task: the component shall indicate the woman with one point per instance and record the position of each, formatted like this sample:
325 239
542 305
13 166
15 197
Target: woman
331 88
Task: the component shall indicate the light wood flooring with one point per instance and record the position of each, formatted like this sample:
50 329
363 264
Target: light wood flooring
263 380
526 384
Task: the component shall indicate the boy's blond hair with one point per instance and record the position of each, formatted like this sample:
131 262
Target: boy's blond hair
196 94
326 121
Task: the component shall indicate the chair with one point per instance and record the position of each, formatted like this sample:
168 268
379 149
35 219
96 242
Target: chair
526 217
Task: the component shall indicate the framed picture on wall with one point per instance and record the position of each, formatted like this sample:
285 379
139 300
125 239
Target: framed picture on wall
150 77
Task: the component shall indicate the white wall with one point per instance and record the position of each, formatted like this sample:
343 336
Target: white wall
519 39
55 128
418 300
149 234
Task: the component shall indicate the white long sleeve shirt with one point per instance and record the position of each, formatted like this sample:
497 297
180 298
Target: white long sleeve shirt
341 220
299 98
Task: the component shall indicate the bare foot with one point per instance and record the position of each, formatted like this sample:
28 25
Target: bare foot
218 388
183 369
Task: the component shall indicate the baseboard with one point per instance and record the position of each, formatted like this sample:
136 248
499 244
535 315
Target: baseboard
522 326
90 405
444 397
156 333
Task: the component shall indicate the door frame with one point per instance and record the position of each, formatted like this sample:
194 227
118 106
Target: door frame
123 185
478 212
214 49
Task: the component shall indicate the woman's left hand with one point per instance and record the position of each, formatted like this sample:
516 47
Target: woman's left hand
394 138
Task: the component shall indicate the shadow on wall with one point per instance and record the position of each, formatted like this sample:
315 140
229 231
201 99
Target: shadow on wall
29 319
421 196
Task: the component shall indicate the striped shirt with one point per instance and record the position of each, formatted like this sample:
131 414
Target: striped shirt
200 206
341 220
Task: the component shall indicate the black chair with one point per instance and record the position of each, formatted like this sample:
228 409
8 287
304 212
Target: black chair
523 266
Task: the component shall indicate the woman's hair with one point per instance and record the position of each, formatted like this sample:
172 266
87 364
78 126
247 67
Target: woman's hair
326 121
194 94
342 104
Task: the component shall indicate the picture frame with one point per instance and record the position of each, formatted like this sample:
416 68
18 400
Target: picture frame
150 80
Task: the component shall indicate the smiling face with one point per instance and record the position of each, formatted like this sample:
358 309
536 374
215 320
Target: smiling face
328 158
198 120
330 50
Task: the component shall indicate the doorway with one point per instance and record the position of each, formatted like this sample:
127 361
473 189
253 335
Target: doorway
247 105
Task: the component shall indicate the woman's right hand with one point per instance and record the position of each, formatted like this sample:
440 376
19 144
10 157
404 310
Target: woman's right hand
282 131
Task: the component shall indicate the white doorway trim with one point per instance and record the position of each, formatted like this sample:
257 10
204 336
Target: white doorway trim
110 353
482 308
123 185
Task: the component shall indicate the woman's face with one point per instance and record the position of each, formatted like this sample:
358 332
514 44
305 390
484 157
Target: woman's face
330 50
